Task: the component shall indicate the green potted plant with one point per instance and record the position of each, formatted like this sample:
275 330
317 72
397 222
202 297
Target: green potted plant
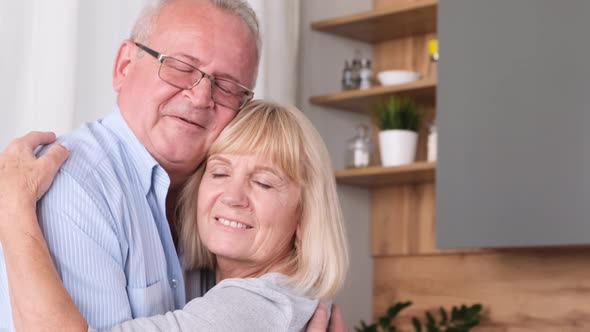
459 319
398 120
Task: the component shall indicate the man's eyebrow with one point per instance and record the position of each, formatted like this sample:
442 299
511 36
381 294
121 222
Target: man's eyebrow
193 61
185 57
228 77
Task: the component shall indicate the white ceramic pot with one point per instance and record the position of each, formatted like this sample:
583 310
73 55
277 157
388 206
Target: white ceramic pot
397 147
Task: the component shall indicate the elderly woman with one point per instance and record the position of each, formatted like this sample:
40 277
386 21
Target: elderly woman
263 213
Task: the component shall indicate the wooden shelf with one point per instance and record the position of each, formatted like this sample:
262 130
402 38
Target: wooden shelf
365 100
396 21
380 176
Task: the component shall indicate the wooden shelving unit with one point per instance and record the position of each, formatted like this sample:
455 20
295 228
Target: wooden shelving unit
394 21
402 198
364 100
383 176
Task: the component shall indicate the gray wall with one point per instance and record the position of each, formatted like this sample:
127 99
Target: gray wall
513 119
322 58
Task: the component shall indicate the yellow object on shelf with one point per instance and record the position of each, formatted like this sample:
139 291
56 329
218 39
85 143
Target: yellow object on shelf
433 49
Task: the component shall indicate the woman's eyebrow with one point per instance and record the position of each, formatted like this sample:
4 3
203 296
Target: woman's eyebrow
271 170
219 158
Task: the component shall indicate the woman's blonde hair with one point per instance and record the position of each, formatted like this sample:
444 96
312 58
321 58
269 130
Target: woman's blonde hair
284 135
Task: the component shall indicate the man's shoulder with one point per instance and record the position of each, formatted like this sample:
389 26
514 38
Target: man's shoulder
88 183
89 146
95 159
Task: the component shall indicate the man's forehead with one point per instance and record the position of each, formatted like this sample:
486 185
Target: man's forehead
189 29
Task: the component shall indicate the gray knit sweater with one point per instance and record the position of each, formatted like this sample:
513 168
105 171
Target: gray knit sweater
254 304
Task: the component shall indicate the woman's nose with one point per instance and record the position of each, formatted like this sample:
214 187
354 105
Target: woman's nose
234 194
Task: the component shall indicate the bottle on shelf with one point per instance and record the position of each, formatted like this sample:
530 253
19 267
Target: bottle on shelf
347 79
431 144
365 75
359 148
433 54
356 72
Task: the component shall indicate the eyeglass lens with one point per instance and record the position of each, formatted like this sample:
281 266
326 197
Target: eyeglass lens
185 76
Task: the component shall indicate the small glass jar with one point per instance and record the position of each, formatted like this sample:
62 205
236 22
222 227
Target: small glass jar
431 144
359 148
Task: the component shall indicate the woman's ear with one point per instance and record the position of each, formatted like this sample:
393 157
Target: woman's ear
125 56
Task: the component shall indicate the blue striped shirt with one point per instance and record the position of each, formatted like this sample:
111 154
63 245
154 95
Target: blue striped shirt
104 220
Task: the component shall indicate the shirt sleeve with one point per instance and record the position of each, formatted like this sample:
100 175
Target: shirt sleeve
245 305
86 251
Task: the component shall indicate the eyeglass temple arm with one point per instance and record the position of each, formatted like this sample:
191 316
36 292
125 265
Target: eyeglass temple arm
151 52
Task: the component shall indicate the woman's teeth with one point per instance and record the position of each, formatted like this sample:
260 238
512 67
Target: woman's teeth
232 223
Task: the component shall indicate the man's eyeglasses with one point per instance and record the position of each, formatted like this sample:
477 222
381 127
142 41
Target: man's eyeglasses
185 76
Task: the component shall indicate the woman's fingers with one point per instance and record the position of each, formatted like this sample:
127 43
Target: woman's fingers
48 165
23 175
337 323
319 320
36 138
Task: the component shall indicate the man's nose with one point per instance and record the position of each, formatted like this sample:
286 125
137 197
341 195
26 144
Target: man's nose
201 95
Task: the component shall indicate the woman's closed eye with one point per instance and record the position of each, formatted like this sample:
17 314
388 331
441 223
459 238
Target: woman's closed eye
266 181
263 184
219 172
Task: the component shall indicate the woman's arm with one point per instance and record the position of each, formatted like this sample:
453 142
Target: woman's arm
38 299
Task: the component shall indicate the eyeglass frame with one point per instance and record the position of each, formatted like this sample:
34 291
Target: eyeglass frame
161 57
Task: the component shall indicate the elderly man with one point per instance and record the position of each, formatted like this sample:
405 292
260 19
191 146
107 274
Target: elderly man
109 218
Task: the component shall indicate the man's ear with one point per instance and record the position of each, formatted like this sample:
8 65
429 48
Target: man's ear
125 56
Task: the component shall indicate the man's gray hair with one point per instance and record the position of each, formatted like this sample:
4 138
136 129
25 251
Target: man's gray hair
146 23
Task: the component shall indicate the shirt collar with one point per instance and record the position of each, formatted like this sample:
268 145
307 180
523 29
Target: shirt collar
142 160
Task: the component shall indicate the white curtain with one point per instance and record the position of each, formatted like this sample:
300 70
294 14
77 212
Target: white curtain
37 81
56 62
277 75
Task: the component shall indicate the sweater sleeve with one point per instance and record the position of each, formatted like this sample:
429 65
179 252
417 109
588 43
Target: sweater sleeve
256 304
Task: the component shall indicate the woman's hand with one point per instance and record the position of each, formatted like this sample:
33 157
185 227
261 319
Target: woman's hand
24 178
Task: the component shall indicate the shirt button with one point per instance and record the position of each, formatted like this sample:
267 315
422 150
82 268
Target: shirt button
173 283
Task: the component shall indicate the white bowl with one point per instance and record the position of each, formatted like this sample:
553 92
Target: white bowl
391 77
